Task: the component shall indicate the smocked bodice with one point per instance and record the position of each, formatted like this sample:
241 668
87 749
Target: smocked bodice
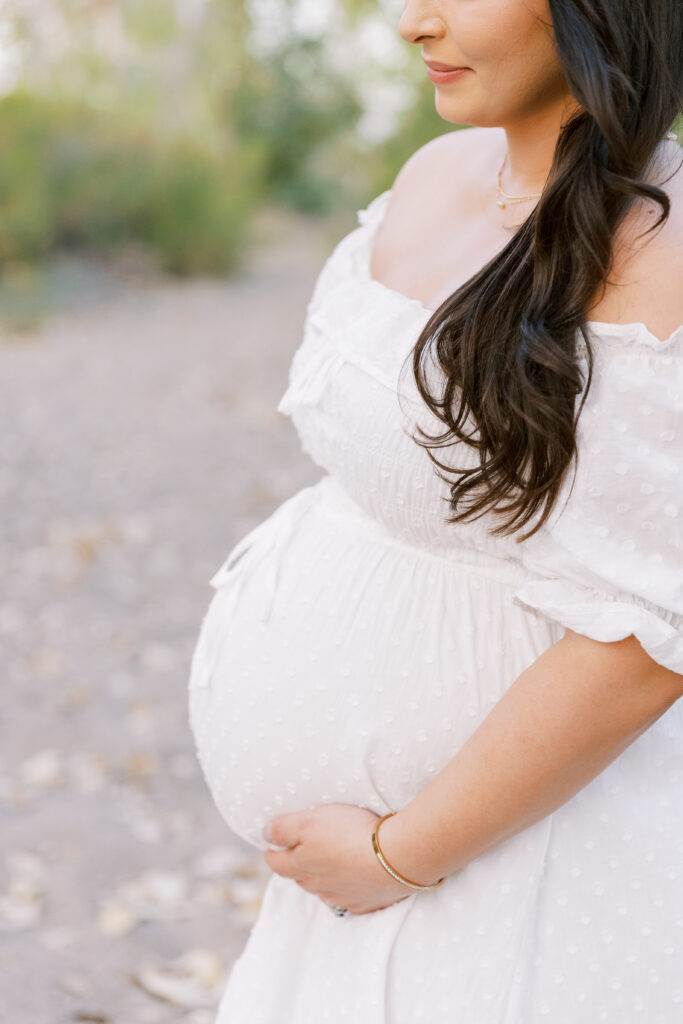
615 529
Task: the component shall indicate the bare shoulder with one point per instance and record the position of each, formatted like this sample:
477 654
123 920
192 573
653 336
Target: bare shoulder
440 182
456 153
435 203
645 283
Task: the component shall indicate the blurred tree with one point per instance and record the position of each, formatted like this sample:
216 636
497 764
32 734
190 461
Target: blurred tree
74 179
111 132
169 120
298 105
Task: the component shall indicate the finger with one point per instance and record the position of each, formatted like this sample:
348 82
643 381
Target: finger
280 861
291 864
286 829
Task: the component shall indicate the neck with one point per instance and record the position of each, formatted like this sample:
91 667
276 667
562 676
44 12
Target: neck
530 148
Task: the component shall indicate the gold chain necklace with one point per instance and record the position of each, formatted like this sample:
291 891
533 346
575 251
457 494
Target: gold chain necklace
505 199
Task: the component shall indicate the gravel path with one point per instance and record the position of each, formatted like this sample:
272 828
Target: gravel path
139 440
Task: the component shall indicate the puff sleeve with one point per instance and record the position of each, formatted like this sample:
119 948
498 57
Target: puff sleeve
609 560
349 256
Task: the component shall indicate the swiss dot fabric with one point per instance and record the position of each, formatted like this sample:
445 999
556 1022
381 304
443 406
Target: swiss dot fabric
355 640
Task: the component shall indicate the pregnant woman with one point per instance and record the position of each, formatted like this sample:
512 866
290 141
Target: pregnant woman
439 688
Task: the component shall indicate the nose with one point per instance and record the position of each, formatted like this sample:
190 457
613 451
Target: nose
420 20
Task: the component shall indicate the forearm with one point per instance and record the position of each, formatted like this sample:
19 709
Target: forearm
559 724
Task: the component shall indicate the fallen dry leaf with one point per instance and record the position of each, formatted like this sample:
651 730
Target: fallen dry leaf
115 919
21 905
42 770
194 979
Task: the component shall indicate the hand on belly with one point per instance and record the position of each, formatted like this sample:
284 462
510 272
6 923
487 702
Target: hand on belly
330 855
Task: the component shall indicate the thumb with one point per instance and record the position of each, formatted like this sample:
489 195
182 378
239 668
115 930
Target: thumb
283 830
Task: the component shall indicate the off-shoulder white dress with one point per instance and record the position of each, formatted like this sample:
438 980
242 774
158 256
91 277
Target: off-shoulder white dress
355 640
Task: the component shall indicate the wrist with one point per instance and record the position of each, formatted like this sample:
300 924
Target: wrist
405 851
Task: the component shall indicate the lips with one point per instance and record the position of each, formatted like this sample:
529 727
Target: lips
435 65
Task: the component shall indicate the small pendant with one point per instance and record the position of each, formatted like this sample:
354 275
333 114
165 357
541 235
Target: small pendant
501 203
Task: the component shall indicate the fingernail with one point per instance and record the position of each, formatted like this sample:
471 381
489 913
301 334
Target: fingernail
267 834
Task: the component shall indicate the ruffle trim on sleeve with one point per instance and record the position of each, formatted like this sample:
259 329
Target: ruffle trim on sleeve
607 618
348 259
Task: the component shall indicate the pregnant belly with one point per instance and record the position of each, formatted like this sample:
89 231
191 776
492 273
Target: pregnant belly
340 669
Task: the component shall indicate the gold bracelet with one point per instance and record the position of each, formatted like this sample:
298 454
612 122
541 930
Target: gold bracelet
387 867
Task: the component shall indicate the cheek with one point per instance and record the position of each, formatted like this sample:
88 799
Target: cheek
512 52
537 81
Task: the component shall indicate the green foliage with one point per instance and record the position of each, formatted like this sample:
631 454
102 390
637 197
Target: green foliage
296 107
195 216
149 23
72 177
26 228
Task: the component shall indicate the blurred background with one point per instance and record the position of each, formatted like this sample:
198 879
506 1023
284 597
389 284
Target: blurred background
164 126
173 174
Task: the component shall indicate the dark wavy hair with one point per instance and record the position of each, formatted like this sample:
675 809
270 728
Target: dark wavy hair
506 341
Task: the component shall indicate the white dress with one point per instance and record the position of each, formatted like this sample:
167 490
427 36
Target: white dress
355 641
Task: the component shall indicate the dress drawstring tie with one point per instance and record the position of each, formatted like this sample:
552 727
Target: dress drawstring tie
266 542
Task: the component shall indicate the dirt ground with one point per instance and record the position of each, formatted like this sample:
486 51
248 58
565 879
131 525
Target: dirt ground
139 440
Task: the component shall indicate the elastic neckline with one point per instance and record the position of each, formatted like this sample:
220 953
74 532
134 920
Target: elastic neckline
635 330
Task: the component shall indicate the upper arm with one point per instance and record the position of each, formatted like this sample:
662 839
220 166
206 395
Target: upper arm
631 664
608 563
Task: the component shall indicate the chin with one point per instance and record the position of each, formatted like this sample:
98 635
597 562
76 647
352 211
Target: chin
460 113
